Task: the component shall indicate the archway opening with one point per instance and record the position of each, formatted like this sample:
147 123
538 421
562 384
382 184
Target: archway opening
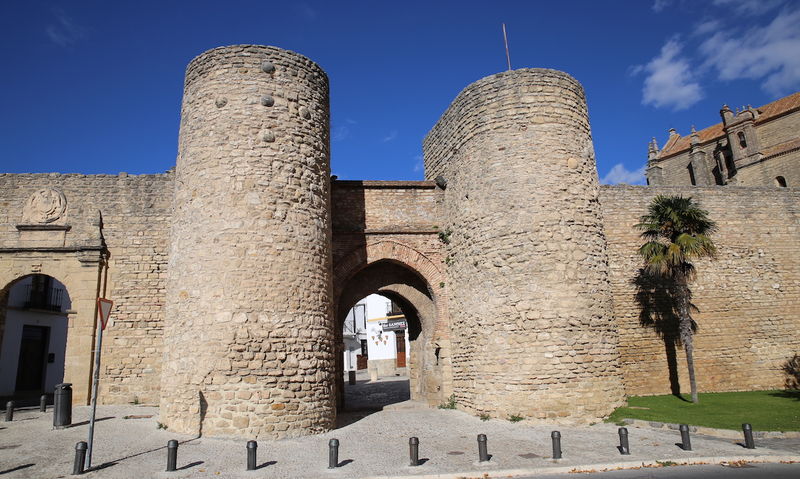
33 337
385 315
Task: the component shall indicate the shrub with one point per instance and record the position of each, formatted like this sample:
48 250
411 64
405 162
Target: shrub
792 370
450 404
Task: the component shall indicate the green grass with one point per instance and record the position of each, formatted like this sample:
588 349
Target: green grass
764 410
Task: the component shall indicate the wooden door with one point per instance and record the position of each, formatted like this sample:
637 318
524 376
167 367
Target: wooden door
400 341
32 358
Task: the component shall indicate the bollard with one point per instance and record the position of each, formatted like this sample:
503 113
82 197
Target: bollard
43 403
748 436
686 442
252 446
10 411
80 458
624 448
172 455
351 377
413 450
483 454
62 405
556 436
333 454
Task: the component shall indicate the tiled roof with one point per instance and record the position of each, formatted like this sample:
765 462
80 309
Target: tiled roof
677 144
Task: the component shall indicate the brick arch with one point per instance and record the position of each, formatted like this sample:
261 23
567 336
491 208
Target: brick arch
429 368
390 250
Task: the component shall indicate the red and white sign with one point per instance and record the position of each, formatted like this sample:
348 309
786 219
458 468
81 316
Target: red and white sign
104 308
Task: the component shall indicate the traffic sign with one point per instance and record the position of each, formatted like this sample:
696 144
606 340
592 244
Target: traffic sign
104 307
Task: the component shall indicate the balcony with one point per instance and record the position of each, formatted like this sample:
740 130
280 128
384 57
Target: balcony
48 299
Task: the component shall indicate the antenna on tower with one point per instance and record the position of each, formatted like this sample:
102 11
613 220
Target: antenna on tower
505 39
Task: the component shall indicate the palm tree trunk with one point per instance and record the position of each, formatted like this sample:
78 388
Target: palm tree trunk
686 335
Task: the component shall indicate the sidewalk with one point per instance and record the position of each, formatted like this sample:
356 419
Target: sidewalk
373 444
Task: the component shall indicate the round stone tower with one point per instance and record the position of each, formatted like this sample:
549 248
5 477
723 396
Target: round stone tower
533 331
247 341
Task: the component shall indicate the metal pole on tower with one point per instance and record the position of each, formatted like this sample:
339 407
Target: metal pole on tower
505 39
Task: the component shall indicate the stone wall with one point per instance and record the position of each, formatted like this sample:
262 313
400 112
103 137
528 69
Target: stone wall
136 214
747 298
249 345
386 240
530 303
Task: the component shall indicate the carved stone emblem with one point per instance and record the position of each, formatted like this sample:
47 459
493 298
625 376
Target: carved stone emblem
44 206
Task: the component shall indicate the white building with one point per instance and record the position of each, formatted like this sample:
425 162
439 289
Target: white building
35 337
376 338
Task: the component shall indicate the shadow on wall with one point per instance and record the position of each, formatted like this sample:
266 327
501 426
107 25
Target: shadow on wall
658 311
792 370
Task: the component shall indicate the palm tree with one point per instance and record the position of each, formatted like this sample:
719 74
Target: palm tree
677 231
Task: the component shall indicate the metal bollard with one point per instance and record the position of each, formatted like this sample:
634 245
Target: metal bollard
483 454
624 447
686 442
413 450
252 446
80 458
748 436
556 437
333 454
10 411
351 377
172 455
62 406
43 403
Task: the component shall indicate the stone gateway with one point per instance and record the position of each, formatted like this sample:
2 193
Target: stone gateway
232 275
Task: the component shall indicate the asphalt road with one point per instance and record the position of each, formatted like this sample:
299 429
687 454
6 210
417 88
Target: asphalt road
770 471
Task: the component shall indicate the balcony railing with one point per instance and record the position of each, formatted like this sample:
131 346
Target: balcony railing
50 299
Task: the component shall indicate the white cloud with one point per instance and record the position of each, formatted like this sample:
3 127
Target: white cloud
391 136
418 163
670 82
340 133
64 32
620 174
769 52
660 5
706 27
748 7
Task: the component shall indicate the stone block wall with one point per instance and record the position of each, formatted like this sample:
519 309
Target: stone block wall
136 214
249 345
398 222
748 298
530 303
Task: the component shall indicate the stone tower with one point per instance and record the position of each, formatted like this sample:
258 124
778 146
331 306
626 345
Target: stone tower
248 348
528 273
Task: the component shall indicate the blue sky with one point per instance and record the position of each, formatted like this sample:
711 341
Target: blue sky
95 86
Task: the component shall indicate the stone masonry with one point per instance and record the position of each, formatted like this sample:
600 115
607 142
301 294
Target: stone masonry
231 275
750 147
527 254
248 340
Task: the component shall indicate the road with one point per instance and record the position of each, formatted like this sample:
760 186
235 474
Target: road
770 471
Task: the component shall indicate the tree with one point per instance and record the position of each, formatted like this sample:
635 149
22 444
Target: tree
677 231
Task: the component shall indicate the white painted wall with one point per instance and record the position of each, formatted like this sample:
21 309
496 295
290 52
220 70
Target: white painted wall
380 345
16 318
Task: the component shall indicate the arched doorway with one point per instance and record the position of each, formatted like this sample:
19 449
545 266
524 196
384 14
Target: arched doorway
407 279
33 321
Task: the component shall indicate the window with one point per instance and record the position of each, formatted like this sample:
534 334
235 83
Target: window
691 174
780 181
742 139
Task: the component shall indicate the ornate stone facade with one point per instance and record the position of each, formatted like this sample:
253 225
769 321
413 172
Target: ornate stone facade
751 147
232 275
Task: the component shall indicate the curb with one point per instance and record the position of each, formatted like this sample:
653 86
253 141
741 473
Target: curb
594 467
709 431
